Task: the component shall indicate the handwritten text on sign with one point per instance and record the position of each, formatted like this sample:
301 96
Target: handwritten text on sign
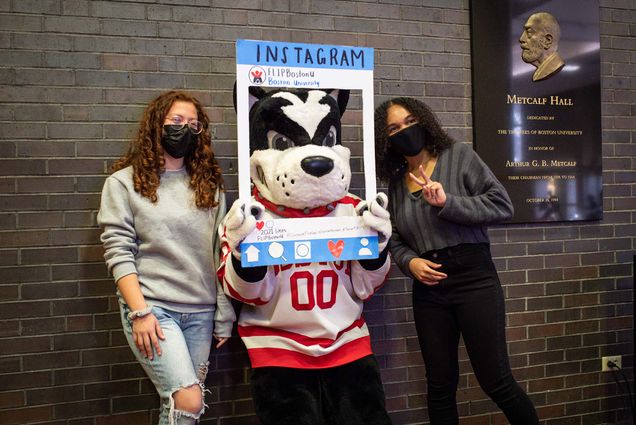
282 241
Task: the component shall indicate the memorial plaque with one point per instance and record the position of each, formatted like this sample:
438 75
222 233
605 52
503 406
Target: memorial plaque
537 104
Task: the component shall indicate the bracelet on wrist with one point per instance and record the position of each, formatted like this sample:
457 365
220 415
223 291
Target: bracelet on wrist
139 313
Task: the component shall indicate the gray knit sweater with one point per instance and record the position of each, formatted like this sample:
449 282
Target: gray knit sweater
171 245
475 198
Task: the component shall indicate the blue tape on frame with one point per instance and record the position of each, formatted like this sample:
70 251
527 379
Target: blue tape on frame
308 251
271 53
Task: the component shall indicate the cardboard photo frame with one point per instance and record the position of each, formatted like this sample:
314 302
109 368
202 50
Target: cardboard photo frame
273 64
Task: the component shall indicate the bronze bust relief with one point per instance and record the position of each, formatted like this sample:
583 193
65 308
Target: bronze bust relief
539 44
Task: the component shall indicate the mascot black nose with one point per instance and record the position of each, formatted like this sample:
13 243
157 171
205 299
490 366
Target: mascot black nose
317 165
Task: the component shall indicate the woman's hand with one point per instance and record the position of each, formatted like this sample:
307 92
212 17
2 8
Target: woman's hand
221 340
424 271
432 191
146 333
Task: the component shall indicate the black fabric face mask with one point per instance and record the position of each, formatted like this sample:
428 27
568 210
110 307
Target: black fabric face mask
409 141
178 143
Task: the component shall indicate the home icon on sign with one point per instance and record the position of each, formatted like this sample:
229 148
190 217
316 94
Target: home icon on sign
252 254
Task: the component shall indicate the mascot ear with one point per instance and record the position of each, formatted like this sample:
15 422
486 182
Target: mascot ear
256 94
341 96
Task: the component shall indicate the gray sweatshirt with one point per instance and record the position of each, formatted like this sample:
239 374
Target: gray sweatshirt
171 245
474 199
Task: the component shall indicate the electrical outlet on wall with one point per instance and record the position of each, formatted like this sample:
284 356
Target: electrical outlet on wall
605 359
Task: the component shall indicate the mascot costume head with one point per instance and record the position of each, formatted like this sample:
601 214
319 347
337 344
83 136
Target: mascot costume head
305 317
297 159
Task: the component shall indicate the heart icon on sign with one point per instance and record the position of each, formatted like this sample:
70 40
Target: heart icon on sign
260 224
336 248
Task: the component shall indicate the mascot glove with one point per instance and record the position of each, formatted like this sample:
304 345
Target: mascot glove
238 224
375 215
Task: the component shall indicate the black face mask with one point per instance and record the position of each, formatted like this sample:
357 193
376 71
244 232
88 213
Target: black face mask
178 143
409 141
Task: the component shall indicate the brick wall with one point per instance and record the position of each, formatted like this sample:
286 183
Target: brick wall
75 75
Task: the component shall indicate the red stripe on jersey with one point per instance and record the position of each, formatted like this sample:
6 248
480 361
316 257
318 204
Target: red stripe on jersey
279 357
248 331
234 294
225 251
377 288
287 212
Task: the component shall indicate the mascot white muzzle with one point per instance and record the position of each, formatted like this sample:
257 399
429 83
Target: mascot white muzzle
304 177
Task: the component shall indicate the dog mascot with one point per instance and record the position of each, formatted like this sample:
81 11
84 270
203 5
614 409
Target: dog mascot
302 324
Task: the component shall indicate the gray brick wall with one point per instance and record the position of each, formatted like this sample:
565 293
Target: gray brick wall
74 77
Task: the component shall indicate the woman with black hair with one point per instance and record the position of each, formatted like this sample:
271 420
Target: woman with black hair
441 198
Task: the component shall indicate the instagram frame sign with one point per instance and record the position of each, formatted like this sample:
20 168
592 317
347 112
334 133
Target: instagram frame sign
271 64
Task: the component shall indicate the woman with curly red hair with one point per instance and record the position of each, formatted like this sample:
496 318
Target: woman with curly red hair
159 213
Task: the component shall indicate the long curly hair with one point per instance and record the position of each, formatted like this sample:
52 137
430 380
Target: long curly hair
391 165
145 153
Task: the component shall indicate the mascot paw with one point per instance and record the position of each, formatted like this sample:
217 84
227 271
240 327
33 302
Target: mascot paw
375 215
238 224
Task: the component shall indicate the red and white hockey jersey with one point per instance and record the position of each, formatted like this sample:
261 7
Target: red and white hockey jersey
308 315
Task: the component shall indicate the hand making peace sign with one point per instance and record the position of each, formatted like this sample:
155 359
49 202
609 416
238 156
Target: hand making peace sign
432 191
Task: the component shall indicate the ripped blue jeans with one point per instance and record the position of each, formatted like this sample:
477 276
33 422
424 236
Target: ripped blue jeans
188 336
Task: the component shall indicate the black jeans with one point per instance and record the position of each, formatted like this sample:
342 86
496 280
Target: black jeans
350 394
469 302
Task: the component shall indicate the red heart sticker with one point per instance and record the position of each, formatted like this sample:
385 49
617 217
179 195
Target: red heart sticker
336 248
260 224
